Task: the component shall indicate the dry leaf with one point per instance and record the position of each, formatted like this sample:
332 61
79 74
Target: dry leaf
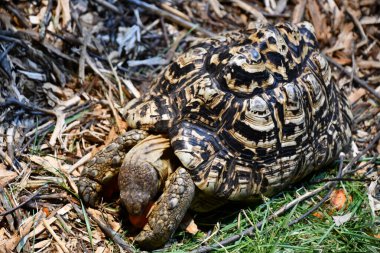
6 176
66 13
298 12
192 228
374 203
318 215
338 199
46 211
318 19
42 244
51 164
356 95
105 217
341 219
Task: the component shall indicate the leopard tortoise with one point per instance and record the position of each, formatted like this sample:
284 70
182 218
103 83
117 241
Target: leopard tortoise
246 114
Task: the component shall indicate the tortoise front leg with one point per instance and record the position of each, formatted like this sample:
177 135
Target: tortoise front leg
169 211
100 174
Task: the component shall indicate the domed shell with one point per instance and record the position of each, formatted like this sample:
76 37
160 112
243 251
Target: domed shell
249 112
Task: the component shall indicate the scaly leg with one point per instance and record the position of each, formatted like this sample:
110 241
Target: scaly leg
101 171
169 211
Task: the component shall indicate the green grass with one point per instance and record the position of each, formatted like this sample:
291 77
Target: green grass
309 235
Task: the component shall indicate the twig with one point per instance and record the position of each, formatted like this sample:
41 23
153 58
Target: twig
170 54
82 58
164 31
160 12
357 80
326 197
347 169
108 231
23 203
11 8
55 236
109 6
31 108
45 21
299 11
113 69
341 180
373 159
9 161
249 8
360 28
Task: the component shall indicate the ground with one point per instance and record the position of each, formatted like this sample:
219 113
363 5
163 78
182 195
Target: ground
68 67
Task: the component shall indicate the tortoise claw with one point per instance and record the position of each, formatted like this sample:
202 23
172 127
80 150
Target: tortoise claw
90 191
168 212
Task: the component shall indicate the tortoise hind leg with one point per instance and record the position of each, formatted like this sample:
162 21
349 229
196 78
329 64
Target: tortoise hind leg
169 211
98 177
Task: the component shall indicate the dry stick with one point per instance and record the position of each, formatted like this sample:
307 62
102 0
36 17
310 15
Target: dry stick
357 80
23 203
117 79
164 31
299 11
250 9
360 27
342 180
29 107
109 6
55 236
45 21
326 197
249 231
16 12
110 233
165 14
347 169
9 161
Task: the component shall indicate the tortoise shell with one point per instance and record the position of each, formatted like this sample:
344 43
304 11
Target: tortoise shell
249 112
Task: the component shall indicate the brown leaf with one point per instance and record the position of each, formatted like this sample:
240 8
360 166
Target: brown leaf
343 60
338 199
298 12
105 217
318 19
356 95
111 136
6 176
318 215
192 228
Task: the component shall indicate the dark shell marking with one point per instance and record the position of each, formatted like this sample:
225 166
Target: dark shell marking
249 112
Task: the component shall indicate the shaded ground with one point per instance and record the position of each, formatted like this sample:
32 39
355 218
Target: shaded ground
67 67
